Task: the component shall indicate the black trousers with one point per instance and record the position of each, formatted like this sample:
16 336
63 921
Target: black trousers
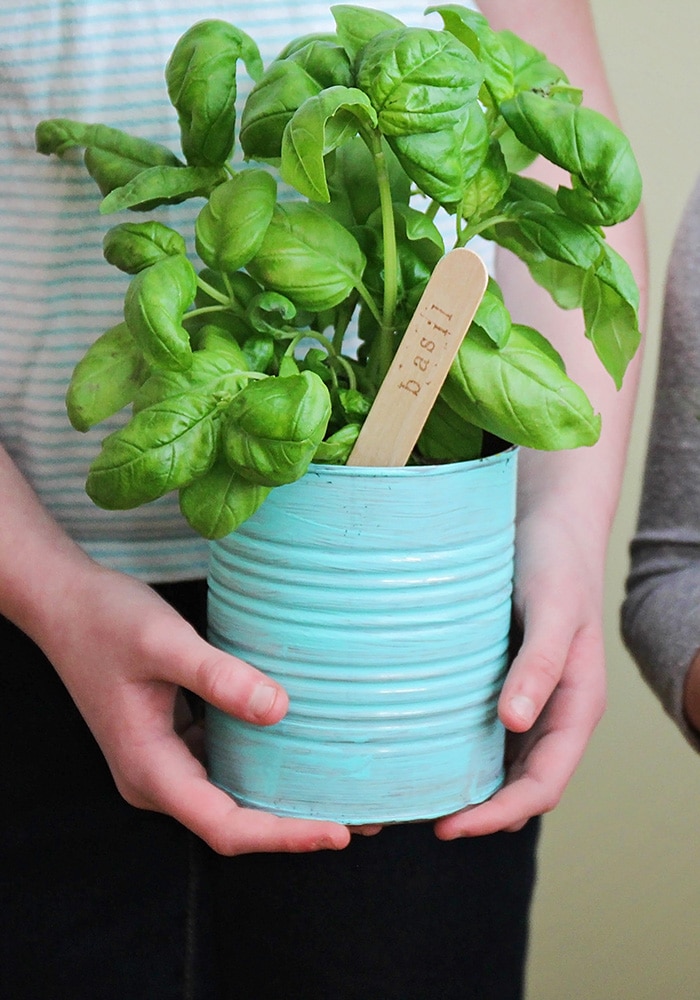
101 901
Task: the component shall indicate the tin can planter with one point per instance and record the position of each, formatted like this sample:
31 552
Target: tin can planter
381 600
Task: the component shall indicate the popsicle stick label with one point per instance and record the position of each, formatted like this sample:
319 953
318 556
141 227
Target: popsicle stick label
422 361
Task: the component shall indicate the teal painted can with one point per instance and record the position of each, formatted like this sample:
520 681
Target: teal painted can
381 600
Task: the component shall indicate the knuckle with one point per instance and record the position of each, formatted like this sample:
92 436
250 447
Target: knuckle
132 792
222 843
213 679
548 669
549 800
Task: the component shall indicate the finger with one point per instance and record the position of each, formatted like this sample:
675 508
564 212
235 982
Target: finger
533 792
537 668
367 829
548 756
176 784
227 682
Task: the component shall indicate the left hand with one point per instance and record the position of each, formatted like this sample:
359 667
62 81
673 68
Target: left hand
554 695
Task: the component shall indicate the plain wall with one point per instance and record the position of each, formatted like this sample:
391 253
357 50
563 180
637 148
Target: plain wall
617 911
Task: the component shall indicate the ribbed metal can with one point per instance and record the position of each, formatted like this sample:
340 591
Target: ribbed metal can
381 600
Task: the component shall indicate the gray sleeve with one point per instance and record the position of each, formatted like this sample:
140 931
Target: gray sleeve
661 611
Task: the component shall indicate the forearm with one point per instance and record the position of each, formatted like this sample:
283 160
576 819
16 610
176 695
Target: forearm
583 485
39 563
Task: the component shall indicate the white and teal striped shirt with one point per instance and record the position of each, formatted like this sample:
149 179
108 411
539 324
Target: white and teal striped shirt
97 61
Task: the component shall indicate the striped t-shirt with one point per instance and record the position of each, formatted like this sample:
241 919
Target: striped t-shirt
96 61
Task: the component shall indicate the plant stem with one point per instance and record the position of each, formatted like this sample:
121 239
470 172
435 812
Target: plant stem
382 349
333 354
344 315
469 232
203 310
212 292
369 301
432 210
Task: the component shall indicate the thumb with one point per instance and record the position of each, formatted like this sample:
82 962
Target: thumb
227 682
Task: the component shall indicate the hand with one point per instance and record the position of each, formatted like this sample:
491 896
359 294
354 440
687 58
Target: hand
554 694
124 654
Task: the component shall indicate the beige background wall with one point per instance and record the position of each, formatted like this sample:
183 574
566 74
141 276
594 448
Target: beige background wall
617 915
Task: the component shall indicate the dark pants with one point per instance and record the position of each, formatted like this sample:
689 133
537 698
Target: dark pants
100 901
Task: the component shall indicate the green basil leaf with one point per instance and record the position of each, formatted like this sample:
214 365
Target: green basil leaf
541 344
162 186
442 163
154 305
517 157
58 135
519 393
105 379
614 271
531 68
288 366
418 80
116 161
213 338
474 31
355 405
132 246
564 282
230 228
577 267
358 25
162 448
325 61
308 257
259 350
611 325
317 360
591 148
201 81
124 155
220 501
273 428
448 437
526 189
217 372
302 41
492 315
352 182
284 87
319 126
335 450
414 227
270 313
562 239
485 189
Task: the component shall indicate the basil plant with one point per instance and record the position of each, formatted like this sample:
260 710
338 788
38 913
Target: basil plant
241 365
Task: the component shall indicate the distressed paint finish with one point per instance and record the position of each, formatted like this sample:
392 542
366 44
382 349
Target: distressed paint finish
380 599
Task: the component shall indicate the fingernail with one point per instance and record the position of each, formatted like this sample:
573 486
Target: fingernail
262 699
523 707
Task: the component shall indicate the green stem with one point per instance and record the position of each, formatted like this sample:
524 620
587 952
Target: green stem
432 210
212 292
369 301
344 315
203 310
382 349
469 232
334 356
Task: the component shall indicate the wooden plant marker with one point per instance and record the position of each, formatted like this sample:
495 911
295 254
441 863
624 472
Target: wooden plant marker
422 360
